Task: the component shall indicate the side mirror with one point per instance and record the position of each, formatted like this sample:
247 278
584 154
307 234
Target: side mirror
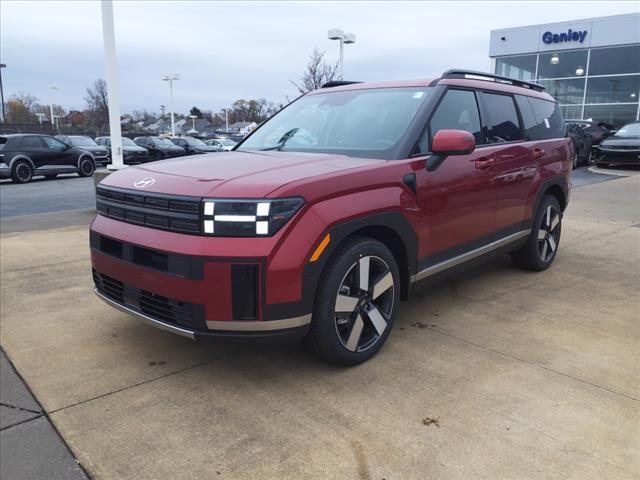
449 142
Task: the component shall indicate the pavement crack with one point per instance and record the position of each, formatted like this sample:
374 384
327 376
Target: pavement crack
129 387
8 405
22 422
534 364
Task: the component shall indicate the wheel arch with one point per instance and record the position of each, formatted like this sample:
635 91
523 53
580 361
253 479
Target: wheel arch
21 157
83 155
557 187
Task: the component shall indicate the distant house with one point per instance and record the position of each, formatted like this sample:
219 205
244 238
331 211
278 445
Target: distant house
243 128
75 118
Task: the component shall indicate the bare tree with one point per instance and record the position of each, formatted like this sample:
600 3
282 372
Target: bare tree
318 73
20 108
97 100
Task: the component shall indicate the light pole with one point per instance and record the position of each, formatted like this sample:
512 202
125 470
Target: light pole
115 128
193 121
2 65
226 120
170 78
52 87
345 38
162 109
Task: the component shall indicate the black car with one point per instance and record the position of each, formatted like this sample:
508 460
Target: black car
100 153
132 154
623 147
581 144
194 146
593 132
159 147
22 156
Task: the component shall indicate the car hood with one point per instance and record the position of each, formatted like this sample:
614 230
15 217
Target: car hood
167 148
94 148
237 174
620 141
132 148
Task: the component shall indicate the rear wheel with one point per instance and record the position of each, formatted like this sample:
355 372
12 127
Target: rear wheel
356 302
542 245
22 172
86 167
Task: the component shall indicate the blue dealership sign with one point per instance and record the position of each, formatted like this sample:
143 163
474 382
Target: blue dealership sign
568 36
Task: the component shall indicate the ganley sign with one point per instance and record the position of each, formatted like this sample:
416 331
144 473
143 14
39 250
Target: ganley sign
568 36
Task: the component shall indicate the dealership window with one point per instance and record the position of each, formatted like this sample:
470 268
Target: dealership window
571 112
615 60
613 115
565 91
619 89
562 64
522 67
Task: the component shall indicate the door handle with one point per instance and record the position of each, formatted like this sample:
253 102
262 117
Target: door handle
483 163
538 153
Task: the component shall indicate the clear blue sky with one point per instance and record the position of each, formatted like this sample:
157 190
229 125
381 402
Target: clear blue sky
230 50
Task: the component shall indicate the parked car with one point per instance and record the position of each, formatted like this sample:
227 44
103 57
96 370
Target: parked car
194 146
594 133
100 153
622 148
132 154
224 143
159 147
23 156
581 144
318 224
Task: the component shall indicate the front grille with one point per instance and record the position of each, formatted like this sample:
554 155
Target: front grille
155 306
621 148
164 212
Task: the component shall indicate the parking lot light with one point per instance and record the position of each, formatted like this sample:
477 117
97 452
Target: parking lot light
344 38
193 121
52 87
170 78
2 65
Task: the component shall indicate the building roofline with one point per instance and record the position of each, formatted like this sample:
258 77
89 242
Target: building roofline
575 20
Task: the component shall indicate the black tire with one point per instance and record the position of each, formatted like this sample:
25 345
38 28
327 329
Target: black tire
21 172
87 167
332 334
544 240
575 161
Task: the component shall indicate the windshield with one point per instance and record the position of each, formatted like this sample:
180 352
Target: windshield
630 130
162 141
82 141
127 142
194 142
360 123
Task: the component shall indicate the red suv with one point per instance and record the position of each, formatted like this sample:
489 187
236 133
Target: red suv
320 221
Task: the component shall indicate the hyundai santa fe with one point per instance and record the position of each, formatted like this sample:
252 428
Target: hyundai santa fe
322 220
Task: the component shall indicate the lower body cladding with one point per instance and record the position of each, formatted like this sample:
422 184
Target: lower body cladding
219 299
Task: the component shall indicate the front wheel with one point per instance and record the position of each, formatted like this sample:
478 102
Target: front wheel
86 167
542 245
356 302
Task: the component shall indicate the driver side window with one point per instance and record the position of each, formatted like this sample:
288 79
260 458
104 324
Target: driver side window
458 110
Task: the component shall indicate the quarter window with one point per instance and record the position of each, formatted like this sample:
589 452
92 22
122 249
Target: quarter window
549 118
502 119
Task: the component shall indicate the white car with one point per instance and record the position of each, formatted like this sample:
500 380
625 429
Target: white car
224 143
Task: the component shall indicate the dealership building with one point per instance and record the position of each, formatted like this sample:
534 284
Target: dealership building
591 67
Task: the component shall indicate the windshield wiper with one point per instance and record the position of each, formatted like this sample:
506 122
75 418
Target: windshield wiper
283 140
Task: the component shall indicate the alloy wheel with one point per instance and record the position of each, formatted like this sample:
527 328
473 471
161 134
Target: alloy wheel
549 233
364 303
23 172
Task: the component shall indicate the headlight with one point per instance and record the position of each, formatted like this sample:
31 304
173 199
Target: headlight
247 218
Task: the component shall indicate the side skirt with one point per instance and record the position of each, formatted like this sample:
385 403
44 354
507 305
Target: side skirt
497 246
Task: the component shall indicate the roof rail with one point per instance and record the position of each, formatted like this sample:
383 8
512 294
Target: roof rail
490 77
338 83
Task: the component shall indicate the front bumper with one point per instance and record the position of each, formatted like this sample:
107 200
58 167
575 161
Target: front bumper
5 171
201 287
618 156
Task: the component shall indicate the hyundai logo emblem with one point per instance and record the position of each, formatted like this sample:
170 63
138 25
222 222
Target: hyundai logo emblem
144 182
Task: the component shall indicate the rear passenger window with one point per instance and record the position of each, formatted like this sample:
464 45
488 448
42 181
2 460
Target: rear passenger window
458 110
528 119
502 119
31 142
549 118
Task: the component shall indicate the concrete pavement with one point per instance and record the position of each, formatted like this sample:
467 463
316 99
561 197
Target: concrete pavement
529 375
